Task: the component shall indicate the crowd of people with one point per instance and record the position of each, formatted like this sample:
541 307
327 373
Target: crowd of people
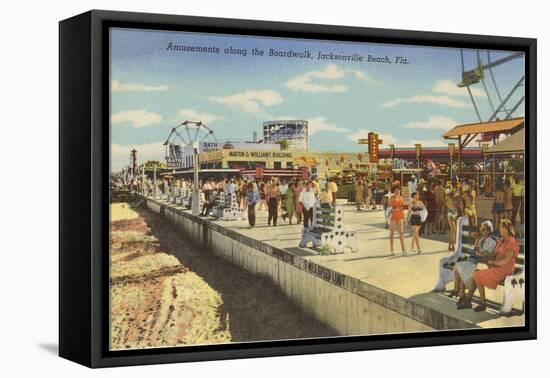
434 205
292 200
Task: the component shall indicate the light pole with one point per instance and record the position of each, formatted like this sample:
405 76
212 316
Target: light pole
451 154
418 150
155 181
143 180
195 202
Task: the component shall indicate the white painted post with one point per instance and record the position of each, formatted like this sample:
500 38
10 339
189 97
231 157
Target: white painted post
195 201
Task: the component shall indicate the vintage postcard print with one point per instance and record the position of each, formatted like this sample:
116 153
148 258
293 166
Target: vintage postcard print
270 188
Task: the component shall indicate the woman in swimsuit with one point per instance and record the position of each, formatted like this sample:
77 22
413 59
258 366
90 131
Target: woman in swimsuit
469 198
498 206
415 220
507 200
397 218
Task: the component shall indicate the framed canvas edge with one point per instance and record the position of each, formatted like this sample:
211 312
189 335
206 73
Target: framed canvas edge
99 139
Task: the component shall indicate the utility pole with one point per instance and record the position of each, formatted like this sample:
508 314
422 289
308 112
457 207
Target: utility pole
133 167
451 154
155 181
143 180
195 204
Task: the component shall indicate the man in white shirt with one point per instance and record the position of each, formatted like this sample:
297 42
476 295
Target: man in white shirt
308 200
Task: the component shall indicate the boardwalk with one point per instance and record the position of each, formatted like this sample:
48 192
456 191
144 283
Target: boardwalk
412 276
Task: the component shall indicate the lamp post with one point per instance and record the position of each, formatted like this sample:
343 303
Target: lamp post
484 148
143 180
195 202
392 153
155 181
451 154
418 150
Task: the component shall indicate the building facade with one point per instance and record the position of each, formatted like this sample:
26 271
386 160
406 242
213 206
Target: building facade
178 156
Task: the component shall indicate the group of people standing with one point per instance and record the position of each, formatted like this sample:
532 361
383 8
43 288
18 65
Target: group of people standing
434 206
433 209
291 200
368 193
397 218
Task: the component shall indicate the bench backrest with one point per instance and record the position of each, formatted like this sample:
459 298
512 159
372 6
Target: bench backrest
230 200
328 217
325 217
468 237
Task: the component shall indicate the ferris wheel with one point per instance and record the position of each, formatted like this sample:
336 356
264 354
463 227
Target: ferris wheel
186 134
500 106
189 132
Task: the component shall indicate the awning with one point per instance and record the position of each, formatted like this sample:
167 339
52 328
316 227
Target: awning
513 143
505 126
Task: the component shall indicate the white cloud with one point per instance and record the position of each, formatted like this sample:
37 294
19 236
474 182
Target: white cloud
120 153
193 115
251 101
445 93
305 82
137 118
420 99
118 86
388 139
449 88
319 124
434 122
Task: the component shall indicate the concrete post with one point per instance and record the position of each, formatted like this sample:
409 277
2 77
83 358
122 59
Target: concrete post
155 181
195 201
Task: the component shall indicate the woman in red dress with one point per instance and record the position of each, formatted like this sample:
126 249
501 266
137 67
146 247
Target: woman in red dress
500 264
397 218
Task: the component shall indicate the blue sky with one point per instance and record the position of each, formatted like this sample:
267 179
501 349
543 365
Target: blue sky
154 88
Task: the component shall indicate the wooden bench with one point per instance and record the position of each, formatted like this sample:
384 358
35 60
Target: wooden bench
226 207
328 231
180 200
173 195
514 284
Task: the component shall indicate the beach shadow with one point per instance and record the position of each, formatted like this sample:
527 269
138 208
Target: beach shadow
446 305
257 309
413 254
368 257
300 252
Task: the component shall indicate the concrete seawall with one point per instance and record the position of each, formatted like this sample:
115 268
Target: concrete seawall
348 304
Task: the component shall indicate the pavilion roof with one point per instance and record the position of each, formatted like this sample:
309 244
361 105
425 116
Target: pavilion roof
501 126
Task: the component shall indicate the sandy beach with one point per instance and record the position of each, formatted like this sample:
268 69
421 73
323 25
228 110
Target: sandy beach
167 292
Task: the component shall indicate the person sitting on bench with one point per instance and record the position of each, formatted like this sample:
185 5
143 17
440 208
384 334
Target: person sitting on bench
209 203
501 264
467 262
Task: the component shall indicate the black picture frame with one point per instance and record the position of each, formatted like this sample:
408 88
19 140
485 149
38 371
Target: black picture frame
84 159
